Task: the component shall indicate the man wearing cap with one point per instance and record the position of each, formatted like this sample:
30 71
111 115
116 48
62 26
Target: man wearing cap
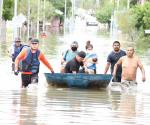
30 62
73 65
69 55
15 50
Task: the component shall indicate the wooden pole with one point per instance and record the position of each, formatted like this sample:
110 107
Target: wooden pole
128 4
38 11
1 13
28 26
15 15
65 17
44 16
118 2
1 9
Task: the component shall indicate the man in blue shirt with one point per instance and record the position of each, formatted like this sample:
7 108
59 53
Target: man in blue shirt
112 59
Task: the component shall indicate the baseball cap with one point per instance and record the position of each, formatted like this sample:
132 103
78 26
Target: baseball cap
30 38
17 39
82 54
74 44
34 41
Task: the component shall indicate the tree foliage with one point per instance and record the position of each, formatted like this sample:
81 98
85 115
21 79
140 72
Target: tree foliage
103 14
134 21
8 9
60 5
49 11
87 4
142 15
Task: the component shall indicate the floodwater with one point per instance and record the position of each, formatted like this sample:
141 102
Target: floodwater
43 105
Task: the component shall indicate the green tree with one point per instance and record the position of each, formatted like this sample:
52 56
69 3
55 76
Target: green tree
8 9
134 21
60 5
103 13
126 23
23 8
142 15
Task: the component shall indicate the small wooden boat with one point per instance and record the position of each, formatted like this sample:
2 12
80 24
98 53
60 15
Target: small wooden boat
79 80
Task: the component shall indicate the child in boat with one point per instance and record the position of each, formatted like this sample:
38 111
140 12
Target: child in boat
90 60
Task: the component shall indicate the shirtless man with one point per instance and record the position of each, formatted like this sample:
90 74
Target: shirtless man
130 63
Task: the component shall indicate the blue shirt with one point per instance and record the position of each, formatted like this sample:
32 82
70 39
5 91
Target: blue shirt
69 55
112 58
89 64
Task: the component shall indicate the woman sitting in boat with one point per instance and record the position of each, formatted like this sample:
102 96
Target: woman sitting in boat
69 55
74 65
90 60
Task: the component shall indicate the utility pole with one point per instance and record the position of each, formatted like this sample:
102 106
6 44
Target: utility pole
1 13
73 19
1 9
28 27
15 15
65 17
44 16
118 2
128 4
97 3
38 11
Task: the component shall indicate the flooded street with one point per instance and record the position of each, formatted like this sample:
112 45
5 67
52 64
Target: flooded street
43 105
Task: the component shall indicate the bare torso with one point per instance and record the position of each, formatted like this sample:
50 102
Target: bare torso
129 68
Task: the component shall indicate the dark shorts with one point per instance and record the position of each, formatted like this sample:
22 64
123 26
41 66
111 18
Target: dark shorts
116 79
28 79
13 66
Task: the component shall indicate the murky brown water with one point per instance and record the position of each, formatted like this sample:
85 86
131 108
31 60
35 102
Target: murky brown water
43 105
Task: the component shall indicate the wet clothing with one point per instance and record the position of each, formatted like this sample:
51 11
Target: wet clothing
126 84
73 65
112 58
28 79
30 63
26 56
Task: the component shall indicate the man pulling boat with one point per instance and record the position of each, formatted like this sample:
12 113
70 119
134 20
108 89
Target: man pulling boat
130 63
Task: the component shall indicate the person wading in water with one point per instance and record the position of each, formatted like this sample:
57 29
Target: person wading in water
30 58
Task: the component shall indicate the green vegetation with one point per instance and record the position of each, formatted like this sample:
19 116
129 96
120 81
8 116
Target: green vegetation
134 21
8 9
131 22
104 13
142 15
126 22
87 4
49 9
60 5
